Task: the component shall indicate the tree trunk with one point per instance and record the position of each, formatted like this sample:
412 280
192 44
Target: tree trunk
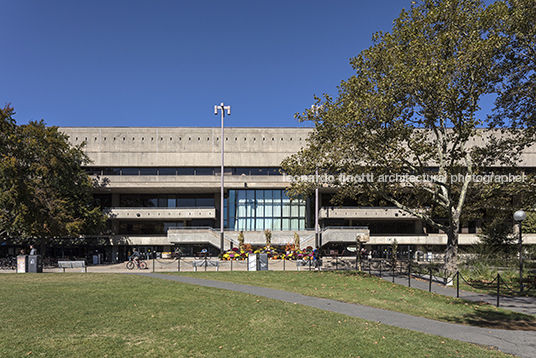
451 254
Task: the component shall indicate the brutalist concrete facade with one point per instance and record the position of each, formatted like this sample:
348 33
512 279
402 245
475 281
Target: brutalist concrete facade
139 162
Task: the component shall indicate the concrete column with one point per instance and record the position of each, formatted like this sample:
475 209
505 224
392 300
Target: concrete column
418 227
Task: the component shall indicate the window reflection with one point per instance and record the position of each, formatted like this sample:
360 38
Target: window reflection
258 210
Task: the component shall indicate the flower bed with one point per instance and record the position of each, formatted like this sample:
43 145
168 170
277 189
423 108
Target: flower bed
274 253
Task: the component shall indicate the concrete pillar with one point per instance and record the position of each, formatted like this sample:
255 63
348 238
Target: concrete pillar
418 227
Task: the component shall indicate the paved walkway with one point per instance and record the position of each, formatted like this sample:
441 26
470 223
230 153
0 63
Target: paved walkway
518 343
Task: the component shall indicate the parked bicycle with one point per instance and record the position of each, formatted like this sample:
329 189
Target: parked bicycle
8 263
136 263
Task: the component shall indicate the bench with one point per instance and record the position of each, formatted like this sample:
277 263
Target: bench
72 264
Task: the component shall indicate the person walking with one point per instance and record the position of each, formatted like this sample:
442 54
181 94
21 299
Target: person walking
33 250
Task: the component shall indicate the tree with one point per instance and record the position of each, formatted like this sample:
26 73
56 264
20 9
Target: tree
44 192
405 130
516 101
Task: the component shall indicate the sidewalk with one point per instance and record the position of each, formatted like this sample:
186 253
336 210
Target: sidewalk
518 343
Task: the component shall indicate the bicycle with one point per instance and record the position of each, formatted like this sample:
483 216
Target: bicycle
136 263
8 263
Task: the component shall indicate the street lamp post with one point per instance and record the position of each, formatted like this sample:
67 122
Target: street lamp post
519 216
223 108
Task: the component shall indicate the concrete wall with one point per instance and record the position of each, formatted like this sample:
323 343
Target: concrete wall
180 146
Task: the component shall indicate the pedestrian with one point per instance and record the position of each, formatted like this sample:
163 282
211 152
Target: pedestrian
33 250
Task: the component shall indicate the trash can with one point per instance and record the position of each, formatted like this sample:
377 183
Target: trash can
258 262
35 264
263 262
22 263
97 259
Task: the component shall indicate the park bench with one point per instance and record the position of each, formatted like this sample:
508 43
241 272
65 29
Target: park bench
72 264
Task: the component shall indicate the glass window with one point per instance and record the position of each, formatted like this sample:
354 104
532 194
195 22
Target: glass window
167 171
240 224
148 171
130 171
185 202
172 201
185 171
268 210
265 209
205 202
259 196
241 171
162 201
103 200
259 224
286 224
168 226
129 201
204 171
111 171
250 224
294 209
149 201
259 171
268 223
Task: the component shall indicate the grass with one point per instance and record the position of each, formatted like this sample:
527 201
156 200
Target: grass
117 315
355 287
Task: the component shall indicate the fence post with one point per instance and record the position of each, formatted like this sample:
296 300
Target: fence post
457 284
205 264
284 262
409 273
498 287
380 268
393 273
179 264
430 282
232 265
369 268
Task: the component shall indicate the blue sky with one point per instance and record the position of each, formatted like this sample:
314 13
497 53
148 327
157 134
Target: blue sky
167 63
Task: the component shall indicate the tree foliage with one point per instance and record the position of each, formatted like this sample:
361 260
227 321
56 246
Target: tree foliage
44 192
405 130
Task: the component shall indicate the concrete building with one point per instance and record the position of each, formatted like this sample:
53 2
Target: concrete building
161 189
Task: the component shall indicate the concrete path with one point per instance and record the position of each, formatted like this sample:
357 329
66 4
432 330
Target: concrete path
518 343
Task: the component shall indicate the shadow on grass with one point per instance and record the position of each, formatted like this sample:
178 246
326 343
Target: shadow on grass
496 319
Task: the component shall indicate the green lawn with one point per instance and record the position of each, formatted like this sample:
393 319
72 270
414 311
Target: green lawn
117 315
356 287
